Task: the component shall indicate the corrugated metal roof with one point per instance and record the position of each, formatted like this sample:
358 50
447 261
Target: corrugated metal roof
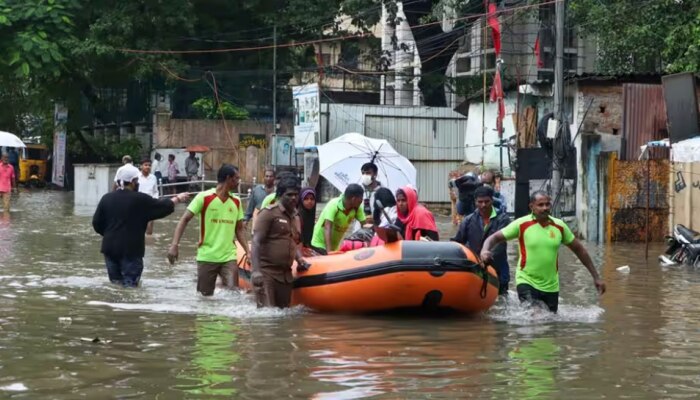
643 119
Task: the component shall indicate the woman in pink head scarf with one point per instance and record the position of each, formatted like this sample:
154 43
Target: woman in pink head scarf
417 222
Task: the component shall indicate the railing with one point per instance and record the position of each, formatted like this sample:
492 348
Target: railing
201 185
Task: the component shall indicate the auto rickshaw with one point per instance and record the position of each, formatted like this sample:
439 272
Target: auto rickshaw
32 165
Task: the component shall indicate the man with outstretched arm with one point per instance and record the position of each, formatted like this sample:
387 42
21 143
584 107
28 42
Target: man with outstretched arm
540 236
121 219
221 213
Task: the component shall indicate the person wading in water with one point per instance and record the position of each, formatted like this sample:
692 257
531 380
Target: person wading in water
540 236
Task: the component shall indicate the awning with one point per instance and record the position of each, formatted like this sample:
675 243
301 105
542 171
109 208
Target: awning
686 151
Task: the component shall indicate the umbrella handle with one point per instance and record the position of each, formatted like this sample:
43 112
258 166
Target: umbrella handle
378 203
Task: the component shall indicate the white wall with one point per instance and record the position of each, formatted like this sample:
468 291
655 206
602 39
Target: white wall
490 155
92 181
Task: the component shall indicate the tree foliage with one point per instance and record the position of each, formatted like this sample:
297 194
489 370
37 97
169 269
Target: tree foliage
210 109
641 35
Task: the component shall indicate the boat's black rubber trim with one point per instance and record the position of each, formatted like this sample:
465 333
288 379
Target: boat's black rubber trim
390 267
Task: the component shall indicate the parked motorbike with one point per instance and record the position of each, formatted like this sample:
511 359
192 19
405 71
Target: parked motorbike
683 247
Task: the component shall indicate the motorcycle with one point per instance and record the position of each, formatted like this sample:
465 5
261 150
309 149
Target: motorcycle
683 247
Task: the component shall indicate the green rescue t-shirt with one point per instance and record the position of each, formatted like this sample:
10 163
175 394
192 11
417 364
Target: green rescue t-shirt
218 222
269 200
539 248
336 213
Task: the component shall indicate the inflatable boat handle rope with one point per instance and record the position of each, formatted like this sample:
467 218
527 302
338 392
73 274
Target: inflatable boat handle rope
485 276
459 263
244 260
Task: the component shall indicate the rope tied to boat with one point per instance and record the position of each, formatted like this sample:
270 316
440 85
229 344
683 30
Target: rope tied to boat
485 276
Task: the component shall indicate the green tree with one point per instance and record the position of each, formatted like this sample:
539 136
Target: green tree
641 35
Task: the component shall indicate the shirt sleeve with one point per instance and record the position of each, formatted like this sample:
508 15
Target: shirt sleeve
241 214
154 189
262 222
462 233
195 206
329 211
568 236
158 209
512 230
251 206
268 200
361 214
98 219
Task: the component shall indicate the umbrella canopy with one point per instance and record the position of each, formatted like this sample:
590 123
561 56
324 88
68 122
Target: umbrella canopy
9 140
197 148
341 159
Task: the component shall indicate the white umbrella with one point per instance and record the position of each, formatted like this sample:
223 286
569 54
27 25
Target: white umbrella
340 161
9 140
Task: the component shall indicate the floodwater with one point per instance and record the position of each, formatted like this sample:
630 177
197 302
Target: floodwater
641 340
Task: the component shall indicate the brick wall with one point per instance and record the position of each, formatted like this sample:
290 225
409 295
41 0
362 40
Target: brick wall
605 114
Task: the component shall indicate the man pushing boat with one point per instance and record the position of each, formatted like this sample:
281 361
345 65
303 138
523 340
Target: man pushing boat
540 236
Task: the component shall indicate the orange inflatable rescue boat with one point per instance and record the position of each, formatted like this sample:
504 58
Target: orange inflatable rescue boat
428 276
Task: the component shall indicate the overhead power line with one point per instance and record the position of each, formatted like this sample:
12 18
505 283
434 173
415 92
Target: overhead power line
326 40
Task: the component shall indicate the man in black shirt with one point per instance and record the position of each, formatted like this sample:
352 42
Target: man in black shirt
121 218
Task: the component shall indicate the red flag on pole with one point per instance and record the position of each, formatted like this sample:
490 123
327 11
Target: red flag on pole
497 95
495 28
538 55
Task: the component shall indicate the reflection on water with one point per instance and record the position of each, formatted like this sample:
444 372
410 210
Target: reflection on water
163 341
214 354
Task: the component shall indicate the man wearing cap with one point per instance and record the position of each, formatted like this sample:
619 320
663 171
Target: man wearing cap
121 219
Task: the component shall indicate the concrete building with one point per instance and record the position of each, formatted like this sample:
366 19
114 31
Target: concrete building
527 65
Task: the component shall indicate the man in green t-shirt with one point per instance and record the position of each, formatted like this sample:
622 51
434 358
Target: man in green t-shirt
540 235
336 217
220 213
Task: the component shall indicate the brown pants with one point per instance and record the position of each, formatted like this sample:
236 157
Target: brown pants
6 196
208 272
273 293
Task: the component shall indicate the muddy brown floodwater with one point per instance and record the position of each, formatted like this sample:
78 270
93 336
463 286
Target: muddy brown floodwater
641 340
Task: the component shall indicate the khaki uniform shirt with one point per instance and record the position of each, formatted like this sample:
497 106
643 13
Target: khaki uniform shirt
278 244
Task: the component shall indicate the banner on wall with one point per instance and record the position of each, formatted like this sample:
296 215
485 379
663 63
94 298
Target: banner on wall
307 115
60 117
282 150
246 140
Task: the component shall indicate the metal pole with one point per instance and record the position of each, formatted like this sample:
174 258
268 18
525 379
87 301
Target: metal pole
483 69
274 79
559 8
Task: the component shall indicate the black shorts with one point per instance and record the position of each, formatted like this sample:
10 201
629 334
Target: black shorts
529 294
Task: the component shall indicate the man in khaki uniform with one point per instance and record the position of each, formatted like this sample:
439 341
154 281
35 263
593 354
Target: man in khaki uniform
275 247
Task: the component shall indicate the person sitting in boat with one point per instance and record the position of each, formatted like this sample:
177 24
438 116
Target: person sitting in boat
335 219
482 223
414 220
307 216
384 214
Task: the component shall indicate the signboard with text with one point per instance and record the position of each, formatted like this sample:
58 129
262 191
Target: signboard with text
246 140
307 115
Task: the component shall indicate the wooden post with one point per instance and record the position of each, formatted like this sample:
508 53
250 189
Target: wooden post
646 230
